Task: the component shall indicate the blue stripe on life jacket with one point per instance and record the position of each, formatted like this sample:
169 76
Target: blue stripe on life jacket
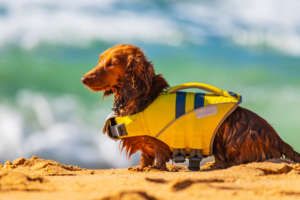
199 100
180 104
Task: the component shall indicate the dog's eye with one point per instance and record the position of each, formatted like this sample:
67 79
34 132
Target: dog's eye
110 64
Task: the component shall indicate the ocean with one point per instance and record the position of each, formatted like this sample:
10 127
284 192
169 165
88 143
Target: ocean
46 47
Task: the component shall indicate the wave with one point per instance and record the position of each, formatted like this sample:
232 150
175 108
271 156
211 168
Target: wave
274 23
55 128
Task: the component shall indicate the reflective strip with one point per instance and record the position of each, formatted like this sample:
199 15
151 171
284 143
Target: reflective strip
206 111
199 100
180 104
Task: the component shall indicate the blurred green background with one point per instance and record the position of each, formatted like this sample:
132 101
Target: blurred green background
45 49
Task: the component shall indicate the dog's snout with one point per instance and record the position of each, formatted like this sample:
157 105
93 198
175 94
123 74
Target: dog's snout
85 80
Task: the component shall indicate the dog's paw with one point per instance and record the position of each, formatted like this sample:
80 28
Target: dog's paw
158 168
136 168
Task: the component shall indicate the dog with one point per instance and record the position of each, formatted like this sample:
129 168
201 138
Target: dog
124 71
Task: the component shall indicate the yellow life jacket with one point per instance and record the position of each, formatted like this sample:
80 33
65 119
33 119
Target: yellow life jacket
182 120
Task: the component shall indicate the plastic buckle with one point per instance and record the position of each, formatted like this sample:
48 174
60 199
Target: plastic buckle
179 155
118 130
195 159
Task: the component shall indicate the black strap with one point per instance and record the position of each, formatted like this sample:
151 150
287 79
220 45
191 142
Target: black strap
199 100
180 104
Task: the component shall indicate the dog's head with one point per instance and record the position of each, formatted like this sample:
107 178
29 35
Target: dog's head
123 70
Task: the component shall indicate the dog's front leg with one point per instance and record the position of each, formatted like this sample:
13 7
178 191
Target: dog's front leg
162 153
146 161
161 159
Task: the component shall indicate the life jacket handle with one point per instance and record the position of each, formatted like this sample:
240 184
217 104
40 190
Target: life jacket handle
201 86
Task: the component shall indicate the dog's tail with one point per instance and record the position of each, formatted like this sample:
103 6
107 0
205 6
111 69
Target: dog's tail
289 152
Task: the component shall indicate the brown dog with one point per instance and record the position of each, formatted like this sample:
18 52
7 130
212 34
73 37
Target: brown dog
125 72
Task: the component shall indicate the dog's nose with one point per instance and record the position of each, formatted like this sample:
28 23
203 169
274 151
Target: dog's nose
84 80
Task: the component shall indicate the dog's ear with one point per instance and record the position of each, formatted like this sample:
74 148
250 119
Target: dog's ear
138 76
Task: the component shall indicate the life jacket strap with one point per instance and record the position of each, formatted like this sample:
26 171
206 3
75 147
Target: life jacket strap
118 130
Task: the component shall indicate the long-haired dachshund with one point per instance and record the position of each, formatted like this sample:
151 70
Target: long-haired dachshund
124 71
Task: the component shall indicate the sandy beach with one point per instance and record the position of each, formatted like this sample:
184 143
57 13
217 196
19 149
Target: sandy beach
36 178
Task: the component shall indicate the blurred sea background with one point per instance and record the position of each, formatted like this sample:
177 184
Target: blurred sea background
251 47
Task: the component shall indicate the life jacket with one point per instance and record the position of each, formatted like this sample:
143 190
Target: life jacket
186 121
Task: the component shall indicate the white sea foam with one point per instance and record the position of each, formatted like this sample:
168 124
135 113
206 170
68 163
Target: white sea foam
274 23
54 128
11 123
30 22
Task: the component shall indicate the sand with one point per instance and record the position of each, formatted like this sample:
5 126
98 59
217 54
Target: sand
36 178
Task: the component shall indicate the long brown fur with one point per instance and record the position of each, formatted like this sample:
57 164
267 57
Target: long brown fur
124 71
